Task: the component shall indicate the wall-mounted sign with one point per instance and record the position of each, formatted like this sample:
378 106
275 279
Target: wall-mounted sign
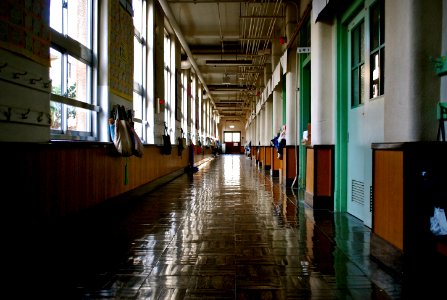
303 50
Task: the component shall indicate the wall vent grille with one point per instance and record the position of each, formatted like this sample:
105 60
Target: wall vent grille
358 192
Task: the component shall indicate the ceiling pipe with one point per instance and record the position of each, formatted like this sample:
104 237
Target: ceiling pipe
168 13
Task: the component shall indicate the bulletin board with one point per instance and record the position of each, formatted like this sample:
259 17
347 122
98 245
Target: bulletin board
121 56
25 29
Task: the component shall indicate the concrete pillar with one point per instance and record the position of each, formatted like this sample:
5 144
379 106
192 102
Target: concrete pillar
268 123
291 101
188 102
322 88
291 77
277 95
267 136
263 133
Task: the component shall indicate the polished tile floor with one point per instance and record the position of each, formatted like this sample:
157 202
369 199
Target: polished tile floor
229 231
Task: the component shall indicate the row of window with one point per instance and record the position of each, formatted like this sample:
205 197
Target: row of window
73 112
73 109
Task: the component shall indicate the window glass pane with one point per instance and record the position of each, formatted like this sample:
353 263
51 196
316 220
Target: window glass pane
236 137
355 46
361 42
56 12
56 115
375 75
138 129
71 17
56 71
138 66
137 105
382 23
228 137
374 26
377 49
167 51
78 21
362 84
77 80
137 14
77 119
355 88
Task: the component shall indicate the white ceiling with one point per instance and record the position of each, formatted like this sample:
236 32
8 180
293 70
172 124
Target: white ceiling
230 30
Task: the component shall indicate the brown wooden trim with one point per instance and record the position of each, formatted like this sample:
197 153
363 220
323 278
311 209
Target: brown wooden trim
388 208
310 170
324 170
57 180
276 163
320 176
387 255
268 157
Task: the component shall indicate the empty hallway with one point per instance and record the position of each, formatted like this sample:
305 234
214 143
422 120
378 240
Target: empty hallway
229 231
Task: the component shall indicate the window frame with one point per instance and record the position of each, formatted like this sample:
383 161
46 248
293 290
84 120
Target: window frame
140 88
356 67
232 136
169 83
379 50
367 84
67 46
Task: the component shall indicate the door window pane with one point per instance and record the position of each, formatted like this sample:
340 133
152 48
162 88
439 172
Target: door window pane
357 64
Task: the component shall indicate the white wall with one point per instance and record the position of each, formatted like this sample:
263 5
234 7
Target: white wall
411 86
17 96
322 83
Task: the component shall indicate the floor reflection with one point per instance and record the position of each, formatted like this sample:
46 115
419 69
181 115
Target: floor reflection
229 231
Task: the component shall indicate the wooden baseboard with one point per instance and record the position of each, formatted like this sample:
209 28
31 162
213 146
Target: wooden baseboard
274 173
387 255
319 202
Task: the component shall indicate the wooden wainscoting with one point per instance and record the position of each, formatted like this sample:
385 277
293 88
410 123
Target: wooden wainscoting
388 196
320 176
57 180
261 157
409 181
288 166
268 157
276 163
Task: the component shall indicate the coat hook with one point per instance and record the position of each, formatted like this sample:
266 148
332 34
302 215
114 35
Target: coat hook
3 66
33 81
25 114
47 84
8 114
39 117
17 74
49 118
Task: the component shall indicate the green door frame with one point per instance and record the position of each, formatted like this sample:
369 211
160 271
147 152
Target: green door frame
341 145
304 113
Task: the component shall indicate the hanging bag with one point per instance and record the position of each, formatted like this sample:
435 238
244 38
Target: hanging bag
138 148
183 140
167 147
120 132
180 143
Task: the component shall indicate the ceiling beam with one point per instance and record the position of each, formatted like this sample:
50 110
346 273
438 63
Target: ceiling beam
167 10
